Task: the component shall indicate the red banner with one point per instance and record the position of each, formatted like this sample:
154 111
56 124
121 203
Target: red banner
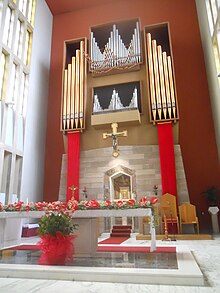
167 158
73 164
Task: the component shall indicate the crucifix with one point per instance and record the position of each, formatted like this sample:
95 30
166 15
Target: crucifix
114 136
73 189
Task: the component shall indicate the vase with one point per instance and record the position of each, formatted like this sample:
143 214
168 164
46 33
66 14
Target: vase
56 250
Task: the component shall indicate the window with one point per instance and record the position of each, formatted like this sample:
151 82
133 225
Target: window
213 12
16 23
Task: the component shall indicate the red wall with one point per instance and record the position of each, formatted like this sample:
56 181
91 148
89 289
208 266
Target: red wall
196 133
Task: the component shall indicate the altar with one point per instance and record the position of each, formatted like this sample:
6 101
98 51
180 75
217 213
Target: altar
86 240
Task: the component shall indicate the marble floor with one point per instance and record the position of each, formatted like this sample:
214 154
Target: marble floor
206 253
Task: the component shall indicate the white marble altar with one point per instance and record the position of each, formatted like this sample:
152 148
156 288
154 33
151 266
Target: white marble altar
86 241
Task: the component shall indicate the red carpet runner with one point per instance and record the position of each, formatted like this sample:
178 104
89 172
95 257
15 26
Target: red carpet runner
114 240
103 248
134 249
121 231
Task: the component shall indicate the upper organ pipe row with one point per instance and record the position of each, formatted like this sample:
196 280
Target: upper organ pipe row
115 53
74 92
161 81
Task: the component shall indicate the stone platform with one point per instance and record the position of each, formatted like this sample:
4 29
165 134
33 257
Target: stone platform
186 273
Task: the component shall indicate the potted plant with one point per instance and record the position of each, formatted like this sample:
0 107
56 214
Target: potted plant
212 195
56 232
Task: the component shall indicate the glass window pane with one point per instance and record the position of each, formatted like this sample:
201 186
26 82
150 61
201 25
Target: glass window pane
30 5
2 70
214 9
20 43
14 82
17 175
1 7
211 25
3 75
11 29
21 3
31 11
22 90
5 182
17 35
8 28
25 96
23 6
7 25
19 39
27 49
216 54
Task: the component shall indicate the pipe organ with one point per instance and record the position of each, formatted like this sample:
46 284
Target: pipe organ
163 100
74 86
116 53
118 45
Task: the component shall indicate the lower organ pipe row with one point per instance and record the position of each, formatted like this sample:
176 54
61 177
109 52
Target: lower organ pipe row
74 92
161 81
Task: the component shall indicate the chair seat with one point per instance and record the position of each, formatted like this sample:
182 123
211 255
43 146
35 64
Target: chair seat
193 222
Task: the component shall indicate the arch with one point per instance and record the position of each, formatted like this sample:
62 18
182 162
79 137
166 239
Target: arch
115 172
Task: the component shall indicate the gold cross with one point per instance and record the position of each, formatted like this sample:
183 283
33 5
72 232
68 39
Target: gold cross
73 188
114 136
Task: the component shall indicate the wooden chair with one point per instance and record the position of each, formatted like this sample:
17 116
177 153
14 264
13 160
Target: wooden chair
168 211
187 214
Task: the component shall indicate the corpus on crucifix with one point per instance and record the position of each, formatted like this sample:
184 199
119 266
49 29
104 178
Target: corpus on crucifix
114 136
73 189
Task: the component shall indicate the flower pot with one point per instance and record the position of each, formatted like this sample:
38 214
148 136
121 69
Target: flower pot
56 250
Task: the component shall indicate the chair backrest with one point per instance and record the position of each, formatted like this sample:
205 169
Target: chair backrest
187 213
168 205
146 220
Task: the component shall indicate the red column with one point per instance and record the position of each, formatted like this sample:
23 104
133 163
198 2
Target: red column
167 158
73 163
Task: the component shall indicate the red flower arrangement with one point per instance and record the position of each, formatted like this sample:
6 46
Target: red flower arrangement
56 232
73 205
56 227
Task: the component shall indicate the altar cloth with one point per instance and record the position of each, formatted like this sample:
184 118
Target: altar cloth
88 214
